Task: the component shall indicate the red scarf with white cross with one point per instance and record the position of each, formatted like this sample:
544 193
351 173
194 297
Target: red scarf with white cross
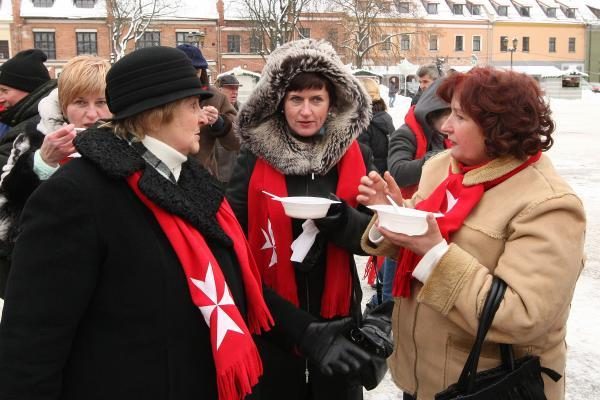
455 201
270 234
237 361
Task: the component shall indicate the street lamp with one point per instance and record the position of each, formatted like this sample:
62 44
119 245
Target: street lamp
194 38
515 41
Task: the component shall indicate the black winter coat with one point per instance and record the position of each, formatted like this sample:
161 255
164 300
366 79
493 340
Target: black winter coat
343 227
97 305
377 138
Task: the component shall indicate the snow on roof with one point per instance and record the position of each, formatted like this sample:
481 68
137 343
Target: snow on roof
63 9
6 10
190 9
239 71
545 71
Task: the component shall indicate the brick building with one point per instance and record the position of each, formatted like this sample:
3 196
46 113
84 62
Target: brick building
560 33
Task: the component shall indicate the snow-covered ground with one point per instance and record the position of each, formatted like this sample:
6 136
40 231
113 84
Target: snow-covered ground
576 155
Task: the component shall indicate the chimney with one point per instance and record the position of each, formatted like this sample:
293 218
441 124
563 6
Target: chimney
221 12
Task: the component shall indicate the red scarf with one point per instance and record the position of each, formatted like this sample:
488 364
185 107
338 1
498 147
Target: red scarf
237 361
465 198
270 234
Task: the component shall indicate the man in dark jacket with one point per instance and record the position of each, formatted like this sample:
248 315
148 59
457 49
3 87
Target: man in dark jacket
221 130
417 140
24 81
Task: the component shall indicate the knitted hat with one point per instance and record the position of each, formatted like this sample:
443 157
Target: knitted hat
194 54
372 88
148 78
228 80
25 71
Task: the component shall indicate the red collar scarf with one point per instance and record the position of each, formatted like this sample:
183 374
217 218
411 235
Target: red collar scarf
237 361
455 208
270 234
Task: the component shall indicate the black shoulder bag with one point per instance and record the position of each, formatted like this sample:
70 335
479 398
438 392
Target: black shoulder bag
519 379
372 333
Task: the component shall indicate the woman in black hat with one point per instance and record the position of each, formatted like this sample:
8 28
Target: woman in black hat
131 278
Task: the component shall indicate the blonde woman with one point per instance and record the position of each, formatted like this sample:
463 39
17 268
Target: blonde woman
76 104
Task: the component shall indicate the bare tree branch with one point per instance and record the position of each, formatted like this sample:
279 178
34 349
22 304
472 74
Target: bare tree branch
130 19
274 21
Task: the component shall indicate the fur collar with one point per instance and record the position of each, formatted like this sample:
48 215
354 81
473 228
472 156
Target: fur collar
263 128
51 117
196 198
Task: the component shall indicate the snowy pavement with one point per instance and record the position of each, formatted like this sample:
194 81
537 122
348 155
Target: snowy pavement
576 155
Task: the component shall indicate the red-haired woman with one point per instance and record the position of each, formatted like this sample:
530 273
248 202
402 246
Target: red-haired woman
507 213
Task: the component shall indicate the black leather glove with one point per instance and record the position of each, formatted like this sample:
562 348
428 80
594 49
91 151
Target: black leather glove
324 344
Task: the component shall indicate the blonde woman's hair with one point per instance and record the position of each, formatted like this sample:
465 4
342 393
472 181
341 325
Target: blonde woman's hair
138 124
82 75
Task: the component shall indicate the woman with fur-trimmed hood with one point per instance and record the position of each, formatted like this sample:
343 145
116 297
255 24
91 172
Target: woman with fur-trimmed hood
299 130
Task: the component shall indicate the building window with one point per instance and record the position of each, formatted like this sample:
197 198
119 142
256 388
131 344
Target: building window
148 39
404 42
569 12
304 33
503 43
233 44
571 45
459 43
432 8
85 3
45 42
332 37
502 11
256 45
551 12
386 42
552 45
475 9
403 7
525 44
43 3
476 43
193 38
433 43
4 49
457 9
87 43
524 11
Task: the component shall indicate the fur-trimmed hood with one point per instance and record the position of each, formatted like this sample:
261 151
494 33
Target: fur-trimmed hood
263 127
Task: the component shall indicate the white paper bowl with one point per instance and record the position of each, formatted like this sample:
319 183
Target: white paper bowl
305 207
404 220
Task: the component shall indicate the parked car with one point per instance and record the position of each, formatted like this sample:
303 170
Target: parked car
595 87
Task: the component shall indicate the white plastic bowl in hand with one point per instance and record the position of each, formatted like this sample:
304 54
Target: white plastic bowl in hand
402 220
305 207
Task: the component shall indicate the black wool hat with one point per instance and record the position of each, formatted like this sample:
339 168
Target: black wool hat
149 78
25 71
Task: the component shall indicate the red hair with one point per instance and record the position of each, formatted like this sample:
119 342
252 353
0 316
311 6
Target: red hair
508 106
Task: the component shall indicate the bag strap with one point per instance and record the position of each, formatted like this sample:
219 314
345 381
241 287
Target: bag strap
492 302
